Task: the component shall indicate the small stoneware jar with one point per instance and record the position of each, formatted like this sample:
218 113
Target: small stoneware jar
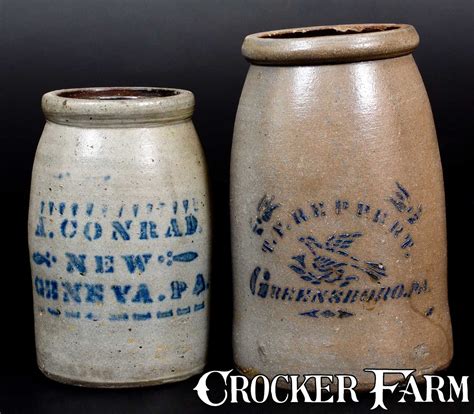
337 207
119 238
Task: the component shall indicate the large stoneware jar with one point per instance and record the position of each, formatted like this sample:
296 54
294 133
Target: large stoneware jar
119 238
337 207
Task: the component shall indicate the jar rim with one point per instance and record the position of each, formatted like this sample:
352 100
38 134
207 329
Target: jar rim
343 43
117 106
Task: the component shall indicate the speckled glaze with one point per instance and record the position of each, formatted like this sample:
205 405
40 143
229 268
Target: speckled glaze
337 207
119 238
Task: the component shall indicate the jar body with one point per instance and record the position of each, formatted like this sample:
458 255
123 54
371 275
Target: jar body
338 222
119 240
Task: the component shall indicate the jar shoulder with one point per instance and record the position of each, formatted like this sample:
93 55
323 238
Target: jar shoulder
146 160
120 148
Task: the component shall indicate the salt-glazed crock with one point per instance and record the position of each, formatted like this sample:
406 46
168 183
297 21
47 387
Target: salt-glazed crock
119 238
337 207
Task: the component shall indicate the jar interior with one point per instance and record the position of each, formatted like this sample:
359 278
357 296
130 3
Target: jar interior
112 94
328 31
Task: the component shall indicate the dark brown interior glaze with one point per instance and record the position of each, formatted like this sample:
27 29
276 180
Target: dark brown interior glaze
119 94
328 31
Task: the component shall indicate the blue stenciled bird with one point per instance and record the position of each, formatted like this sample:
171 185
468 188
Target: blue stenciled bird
330 269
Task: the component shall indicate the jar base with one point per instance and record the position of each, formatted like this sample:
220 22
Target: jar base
132 384
361 386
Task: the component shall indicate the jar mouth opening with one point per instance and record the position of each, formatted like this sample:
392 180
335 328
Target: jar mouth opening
117 106
328 31
116 94
332 44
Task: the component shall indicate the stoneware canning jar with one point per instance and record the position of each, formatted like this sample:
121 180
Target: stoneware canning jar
119 238
337 207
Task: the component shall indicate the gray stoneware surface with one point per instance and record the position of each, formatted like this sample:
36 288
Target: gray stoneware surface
337 207
119 237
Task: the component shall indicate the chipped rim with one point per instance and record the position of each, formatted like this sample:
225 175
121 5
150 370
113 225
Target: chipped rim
330 44
117 106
